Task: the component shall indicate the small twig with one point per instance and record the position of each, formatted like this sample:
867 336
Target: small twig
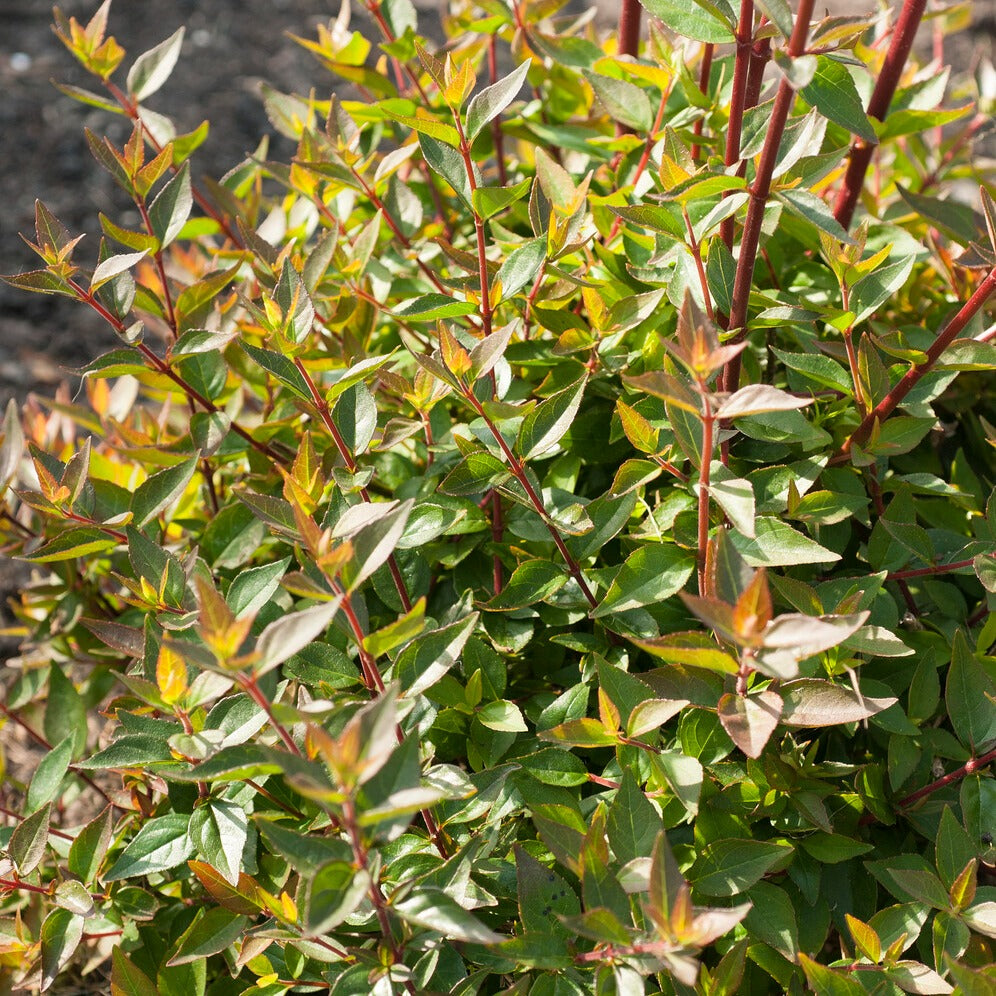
249 686
969 767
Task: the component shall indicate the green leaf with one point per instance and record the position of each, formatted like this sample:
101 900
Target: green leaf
214 930
219 831
161 844
291 633
447 162
60 935
433 307
330 894
553 766
72 544
819 369
649 576
489 201
546 424
833 93
168 213
908 877
152 68
252 588
434 909
625 102
813 209
726 867
475 474
772 918
492 100
957 220
969 696
113 266
826 982
375 540
160 490
735 496
776 544
305 853
691 20
830 849
544 896
953 848
521 267
584 732
429 656
914 977
73 896
280 367
697 649
502 716
48 776
873 290
633 823
87 851
813 702
27 843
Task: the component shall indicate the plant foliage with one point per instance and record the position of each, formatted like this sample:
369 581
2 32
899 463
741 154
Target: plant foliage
529 540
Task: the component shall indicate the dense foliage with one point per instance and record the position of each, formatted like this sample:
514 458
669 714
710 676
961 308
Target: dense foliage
530 540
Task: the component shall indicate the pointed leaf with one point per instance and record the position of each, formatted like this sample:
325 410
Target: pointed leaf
750 720
492 100
152 68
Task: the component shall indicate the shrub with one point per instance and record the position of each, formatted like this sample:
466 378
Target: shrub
530 541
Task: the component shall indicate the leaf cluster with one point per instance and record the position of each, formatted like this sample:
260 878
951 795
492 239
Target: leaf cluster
527 541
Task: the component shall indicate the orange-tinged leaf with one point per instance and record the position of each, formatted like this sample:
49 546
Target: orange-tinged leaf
244 897
753 610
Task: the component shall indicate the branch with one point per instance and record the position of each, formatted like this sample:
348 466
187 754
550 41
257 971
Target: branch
878 107
738 101
759 196
912 376
629 27
519 473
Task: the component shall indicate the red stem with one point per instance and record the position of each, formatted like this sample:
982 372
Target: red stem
519 472
629 27
912 376
759 195
249 686
760 55
703 511
745 28
878 107
705 69
969 767
166 370
923 572
351 466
